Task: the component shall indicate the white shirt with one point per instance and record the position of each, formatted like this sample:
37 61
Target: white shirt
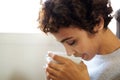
105 67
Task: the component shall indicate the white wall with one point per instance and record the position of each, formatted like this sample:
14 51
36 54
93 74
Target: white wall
115 6
20 16
24 55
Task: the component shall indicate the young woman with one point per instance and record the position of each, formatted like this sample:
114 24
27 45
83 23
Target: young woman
81 26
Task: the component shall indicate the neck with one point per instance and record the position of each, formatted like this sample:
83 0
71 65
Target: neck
109 43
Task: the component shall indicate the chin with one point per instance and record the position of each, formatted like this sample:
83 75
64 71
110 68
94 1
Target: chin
87 59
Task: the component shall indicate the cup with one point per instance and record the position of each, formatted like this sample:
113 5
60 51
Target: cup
63 54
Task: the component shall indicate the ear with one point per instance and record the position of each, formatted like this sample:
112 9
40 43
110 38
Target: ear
100 25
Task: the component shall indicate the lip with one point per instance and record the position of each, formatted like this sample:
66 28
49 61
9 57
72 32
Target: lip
84 56
76 55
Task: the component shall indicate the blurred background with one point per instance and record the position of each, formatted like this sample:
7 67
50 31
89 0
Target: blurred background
23 47
23 55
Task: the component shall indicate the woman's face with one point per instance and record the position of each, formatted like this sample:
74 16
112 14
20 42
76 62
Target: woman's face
78 42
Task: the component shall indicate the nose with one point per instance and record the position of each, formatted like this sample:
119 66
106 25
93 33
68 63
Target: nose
70 51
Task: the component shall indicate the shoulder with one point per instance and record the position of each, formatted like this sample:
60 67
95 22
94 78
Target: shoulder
106 67
110 70
106 71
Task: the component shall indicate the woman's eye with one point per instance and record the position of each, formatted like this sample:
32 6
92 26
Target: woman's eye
71 42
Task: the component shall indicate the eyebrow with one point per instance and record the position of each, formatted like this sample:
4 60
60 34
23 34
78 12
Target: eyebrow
62 41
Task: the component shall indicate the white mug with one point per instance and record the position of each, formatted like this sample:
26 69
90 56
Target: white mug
63 54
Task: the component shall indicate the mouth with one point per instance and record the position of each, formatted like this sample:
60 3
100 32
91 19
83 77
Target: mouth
84 56
77 55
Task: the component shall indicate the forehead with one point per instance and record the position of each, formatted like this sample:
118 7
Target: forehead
67 32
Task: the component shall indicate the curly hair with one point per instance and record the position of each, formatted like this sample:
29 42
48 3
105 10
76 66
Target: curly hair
84 14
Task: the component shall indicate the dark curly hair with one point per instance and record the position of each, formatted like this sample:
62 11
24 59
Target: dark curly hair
84 14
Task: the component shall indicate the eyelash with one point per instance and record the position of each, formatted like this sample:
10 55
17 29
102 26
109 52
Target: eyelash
71 42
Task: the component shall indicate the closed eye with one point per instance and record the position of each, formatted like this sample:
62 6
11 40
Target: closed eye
71 42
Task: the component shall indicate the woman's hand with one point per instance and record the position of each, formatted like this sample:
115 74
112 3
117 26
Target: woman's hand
66 69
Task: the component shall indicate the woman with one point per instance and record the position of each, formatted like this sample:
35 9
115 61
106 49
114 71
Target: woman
81 26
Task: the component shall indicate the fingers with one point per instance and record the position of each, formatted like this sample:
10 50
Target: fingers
50 76
83 65
52 71
55 66
56 71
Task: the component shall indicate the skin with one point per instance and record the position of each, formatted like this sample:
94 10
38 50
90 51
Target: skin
80 43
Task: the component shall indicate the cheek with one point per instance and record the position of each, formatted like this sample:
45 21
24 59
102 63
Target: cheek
87 47
90 50
83 46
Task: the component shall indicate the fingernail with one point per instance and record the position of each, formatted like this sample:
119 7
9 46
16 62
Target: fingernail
51 55
45 66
